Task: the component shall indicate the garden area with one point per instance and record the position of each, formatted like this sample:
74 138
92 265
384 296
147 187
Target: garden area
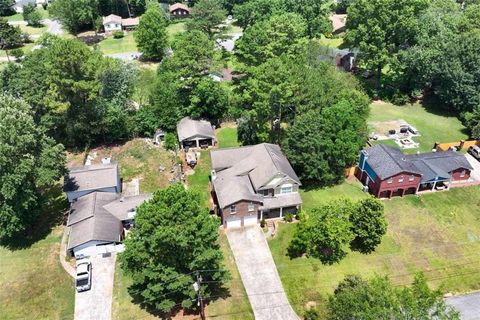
438 234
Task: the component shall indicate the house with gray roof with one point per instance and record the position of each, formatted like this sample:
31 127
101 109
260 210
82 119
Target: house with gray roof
98 219
195 133
252 183
385 171
81 181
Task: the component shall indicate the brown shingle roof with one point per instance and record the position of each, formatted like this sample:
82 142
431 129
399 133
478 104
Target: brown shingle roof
177 6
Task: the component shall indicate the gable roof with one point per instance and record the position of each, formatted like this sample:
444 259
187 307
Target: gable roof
92 177
241 172
99 216
112 18
188 128
387 162
177 6
129 22
89 221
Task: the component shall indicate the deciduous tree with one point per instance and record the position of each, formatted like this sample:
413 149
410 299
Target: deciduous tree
151 35
75 15
174 236
10 36
6 7
29 162
32 15
206 16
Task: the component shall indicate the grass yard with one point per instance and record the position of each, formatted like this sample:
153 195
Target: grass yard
200 180
33 30
175 28
227 137
331 42
33 285
234 307
14 17
433 127
436 233
122 45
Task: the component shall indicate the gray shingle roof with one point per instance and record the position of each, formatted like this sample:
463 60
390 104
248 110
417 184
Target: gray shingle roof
92 177
89 221
120 208
241 172
188 128
387 161
282 201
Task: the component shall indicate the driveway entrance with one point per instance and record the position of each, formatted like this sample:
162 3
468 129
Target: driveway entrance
96 303
259 274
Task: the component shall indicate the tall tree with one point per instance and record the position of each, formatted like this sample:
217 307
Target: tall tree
32 15
368 225
377 298
29 162
10 36
206 16
253 11
6 7
281 34
163 258
75 15
151 35
314 12
325 234
379 28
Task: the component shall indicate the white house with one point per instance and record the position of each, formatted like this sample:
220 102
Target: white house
114 23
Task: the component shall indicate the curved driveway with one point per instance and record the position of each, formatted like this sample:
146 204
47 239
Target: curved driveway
259 274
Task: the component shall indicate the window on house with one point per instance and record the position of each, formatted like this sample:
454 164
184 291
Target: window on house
411 178
463 173
390 180
251 207
286 189
400 179
233 209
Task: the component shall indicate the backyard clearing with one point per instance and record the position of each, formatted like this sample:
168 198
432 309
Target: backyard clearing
436 233
138 159
433 126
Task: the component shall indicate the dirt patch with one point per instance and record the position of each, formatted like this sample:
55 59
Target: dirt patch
433 240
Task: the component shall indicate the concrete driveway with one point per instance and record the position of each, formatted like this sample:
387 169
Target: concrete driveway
259 274
475 174
467 305
96 303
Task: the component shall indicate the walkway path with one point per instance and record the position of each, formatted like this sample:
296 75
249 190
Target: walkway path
63 253
259 274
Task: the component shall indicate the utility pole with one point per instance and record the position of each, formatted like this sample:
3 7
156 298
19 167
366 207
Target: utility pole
197 288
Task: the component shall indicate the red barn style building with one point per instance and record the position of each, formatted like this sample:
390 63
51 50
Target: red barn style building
387 172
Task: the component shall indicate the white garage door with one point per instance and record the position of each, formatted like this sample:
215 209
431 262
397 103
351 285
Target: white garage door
249 221
234 223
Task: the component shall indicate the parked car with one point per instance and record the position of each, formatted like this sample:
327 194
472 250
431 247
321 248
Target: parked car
475 152
83 280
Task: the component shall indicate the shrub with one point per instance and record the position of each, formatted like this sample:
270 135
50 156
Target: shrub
288 217
17 53
117 34
170 142
263 223
311 314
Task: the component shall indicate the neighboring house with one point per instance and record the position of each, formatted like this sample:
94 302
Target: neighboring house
195 133
253 183
112 23
179 10
97 222
19 4
87 179
387 172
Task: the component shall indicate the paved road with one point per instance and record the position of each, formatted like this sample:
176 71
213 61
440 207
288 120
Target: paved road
468 305
97 302
127 56
259 274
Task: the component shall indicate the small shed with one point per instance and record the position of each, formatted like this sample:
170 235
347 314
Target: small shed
195 133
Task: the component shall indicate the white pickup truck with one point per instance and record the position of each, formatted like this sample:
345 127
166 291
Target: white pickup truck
83 280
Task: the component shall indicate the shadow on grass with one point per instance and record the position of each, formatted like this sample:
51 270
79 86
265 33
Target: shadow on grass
53 206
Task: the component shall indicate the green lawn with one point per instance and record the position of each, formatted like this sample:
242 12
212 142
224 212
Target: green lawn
331 42
176 28
15 17
433 127
125 44
436 233
227 137
33 30
33 285
200 180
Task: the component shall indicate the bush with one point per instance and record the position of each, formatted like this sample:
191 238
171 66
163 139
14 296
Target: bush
311 314
263 223
170 142
117 34
288 217
17 53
